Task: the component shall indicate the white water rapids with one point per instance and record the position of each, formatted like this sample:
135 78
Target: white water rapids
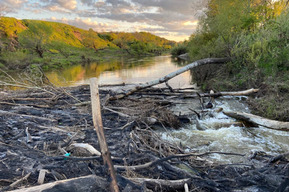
231 139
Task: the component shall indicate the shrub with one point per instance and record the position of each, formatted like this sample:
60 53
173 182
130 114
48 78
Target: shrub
17 59
179 49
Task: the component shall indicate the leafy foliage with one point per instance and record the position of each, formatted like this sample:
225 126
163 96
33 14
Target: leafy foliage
43 39
178 49
255 34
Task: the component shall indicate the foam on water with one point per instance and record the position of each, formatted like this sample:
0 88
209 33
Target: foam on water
232 139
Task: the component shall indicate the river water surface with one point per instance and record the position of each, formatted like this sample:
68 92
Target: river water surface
121 70
226 139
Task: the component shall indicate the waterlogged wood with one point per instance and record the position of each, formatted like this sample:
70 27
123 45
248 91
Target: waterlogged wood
257 120
170 76
88 183
97 122
171 184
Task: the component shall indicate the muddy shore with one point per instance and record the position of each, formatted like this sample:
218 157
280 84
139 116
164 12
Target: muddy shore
39 127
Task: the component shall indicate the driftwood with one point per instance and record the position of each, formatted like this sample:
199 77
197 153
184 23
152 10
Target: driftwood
19 180
171 184
233 93
257 120
170 76
86 146
88 183
97 122
41 176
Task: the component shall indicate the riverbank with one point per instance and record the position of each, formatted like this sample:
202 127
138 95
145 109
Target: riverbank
20 60
270 102
40 126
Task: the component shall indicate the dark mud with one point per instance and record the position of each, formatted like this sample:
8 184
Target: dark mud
38 128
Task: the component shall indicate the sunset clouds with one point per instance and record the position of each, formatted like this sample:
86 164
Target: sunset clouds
173 19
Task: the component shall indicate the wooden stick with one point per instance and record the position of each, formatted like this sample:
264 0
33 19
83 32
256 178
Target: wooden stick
158 161
86 183
97 122
41 176
170 76
173 184
257 120
19 180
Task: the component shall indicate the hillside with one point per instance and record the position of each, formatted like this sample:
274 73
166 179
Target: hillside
30 41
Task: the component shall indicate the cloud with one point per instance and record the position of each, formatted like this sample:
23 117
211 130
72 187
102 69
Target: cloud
86 23
67 4
157 16
11 5
170 15
58 5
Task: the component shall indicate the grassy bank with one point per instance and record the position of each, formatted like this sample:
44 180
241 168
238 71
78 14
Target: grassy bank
22 58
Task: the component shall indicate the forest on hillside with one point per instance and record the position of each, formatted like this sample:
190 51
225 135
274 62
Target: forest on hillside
25 42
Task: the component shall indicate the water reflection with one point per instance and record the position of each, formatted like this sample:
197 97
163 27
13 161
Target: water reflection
127 70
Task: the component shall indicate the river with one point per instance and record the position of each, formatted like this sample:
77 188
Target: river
121 70
226 139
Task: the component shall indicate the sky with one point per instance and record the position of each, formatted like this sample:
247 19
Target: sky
172 19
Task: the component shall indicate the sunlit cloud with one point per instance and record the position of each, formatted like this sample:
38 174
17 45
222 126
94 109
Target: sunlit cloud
155 16
191 23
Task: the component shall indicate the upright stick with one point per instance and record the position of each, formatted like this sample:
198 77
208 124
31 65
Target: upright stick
97 122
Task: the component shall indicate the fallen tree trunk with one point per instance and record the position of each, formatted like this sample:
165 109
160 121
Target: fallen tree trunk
233 93
170 76
257 120
87 183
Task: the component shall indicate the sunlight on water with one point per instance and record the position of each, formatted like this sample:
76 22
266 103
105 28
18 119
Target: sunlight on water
121 71
229 139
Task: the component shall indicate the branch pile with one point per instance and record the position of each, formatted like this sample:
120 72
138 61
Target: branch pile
48 143
35 142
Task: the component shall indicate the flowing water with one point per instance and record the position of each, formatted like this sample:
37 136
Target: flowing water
232 139
214 138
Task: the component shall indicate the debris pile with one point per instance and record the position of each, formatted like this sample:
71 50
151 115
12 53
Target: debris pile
48 141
